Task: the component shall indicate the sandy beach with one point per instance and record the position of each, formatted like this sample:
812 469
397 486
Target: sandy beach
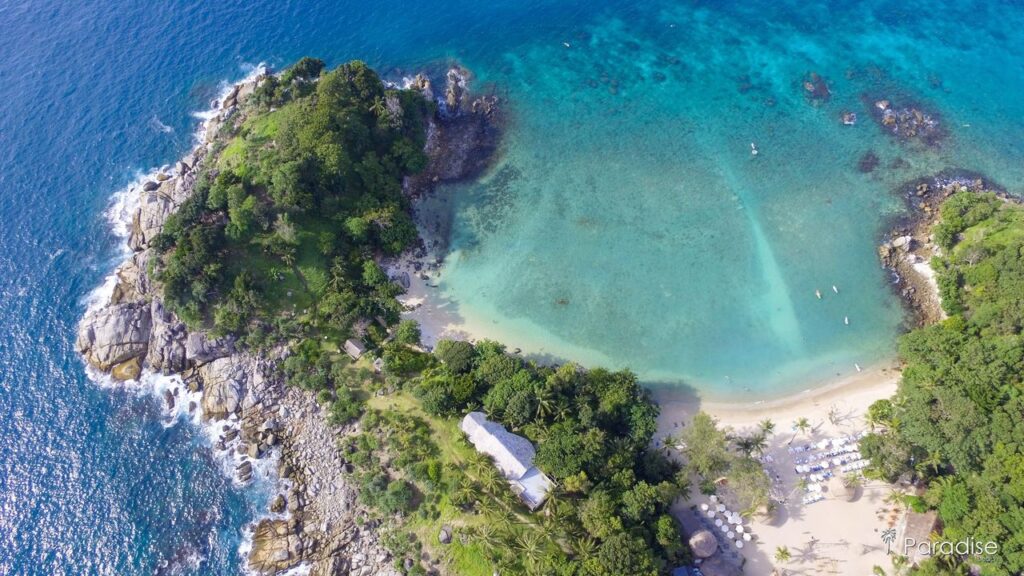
832 536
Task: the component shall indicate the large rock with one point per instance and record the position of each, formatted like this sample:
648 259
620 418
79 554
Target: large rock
149 219
201 349
274 547
156 206
115 334
166 342
223 387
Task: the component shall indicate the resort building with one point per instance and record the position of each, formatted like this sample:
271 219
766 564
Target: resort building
513 456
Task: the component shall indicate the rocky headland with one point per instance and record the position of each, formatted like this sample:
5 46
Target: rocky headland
315 519
910 245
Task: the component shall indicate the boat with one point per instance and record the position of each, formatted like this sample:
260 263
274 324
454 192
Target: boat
818 294
834 289
846 320
857 366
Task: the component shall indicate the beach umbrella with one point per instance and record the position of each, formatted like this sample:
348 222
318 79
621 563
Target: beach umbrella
711 513
746 536
730 534
704 544
714 498
739 528
703 506
739 543
721 507
718 522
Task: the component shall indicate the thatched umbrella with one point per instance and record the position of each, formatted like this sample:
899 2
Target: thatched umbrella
848 486
704 544
718 566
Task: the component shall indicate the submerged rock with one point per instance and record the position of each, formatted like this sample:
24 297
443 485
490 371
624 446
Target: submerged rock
908 121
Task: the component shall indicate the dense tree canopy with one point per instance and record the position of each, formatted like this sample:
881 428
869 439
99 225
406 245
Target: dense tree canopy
301 191
592 430
960 405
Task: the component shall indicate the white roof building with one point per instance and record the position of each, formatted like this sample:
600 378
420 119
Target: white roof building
513 456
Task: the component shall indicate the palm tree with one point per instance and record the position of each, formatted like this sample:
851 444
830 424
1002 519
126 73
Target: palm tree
379 107
896 497
782 554
584 547
766 426
553 503
487 536
531 545
751 444
802 425
468 492
933 461
545 402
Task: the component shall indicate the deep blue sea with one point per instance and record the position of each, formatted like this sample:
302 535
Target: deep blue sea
92 481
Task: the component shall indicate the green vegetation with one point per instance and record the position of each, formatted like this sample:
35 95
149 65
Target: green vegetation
278 242
719 459
299 198
607 516
957 422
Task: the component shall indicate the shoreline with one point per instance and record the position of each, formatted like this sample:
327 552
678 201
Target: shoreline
440 318
271 441
855 390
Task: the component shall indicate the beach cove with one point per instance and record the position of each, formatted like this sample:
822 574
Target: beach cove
629 222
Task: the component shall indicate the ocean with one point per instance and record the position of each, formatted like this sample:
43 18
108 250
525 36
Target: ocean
626 222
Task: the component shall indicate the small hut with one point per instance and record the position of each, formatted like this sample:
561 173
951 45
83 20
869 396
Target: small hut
704 544
355 348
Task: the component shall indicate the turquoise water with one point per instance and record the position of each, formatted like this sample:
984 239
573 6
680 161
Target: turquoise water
674 250
628 223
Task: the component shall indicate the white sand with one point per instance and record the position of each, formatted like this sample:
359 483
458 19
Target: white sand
833 536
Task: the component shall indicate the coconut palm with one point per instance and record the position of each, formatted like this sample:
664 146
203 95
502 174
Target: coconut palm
488 538
766 426
531 544
468 492
546 404
782 554
379 107
802 424
584 547
896 497
933 461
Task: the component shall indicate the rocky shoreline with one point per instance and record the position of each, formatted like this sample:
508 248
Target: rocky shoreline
910 246
315 520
